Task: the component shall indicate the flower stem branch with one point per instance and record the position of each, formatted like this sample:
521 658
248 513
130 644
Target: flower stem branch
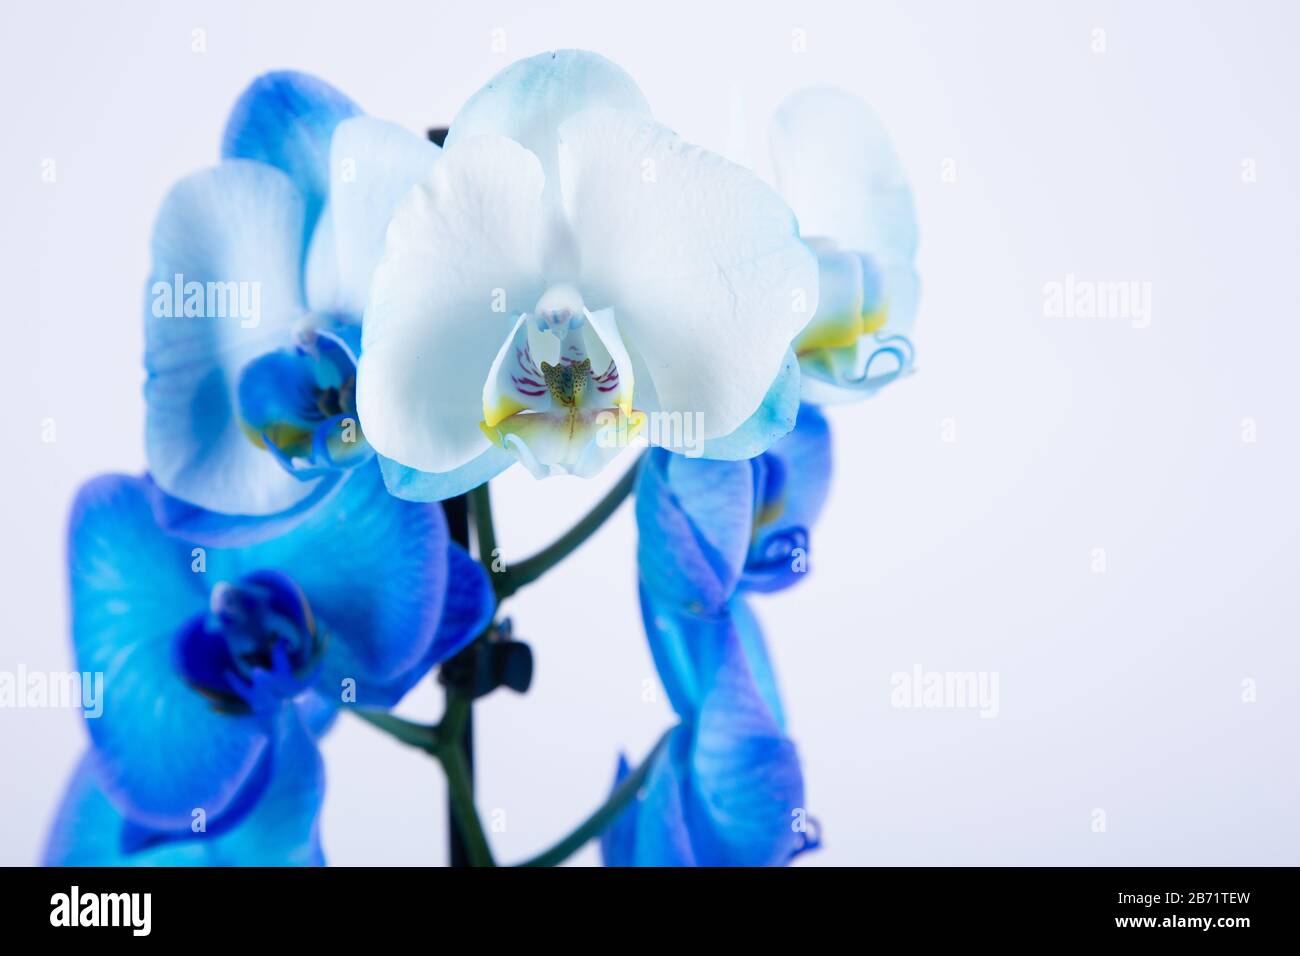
456 731
530 569
421 736
452 725
460 793
604 815
444 741
480 506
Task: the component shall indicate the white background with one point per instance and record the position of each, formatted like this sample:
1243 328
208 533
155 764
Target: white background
1120 691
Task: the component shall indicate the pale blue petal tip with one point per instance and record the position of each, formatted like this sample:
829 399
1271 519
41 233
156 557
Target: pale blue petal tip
414 485
773 419
286 119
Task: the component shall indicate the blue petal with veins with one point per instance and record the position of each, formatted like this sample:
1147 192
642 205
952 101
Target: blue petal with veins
205 649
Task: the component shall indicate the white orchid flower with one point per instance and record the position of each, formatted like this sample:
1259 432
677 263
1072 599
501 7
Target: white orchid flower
570 275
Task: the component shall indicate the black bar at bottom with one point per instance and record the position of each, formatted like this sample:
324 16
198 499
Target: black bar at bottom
971 904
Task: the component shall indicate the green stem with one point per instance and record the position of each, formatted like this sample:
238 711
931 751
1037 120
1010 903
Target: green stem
460 784
595 824
443 742
420 736
530 569
480 501
452 725
461 794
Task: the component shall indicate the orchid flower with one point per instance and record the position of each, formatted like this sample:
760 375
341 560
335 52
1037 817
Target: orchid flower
837 169
224 664
727 790
572 277
261 266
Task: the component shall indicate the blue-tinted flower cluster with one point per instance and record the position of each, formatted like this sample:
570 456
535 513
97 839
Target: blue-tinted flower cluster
261 576
346 324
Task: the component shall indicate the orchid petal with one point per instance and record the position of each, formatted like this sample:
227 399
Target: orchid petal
747 787
282 828
285 119
529 100
653 830
412 484
463 242
568 441
773 420
373 165
214 529
806 454
699 260
374 570
239 227
695 519
467 610
162 748
838 170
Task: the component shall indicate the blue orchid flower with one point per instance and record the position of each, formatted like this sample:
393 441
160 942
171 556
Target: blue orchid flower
261 268
836 168
222 665
708 529
572 278
727 790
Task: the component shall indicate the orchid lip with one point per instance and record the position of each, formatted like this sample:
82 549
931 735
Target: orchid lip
560 378
257 645
299 403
